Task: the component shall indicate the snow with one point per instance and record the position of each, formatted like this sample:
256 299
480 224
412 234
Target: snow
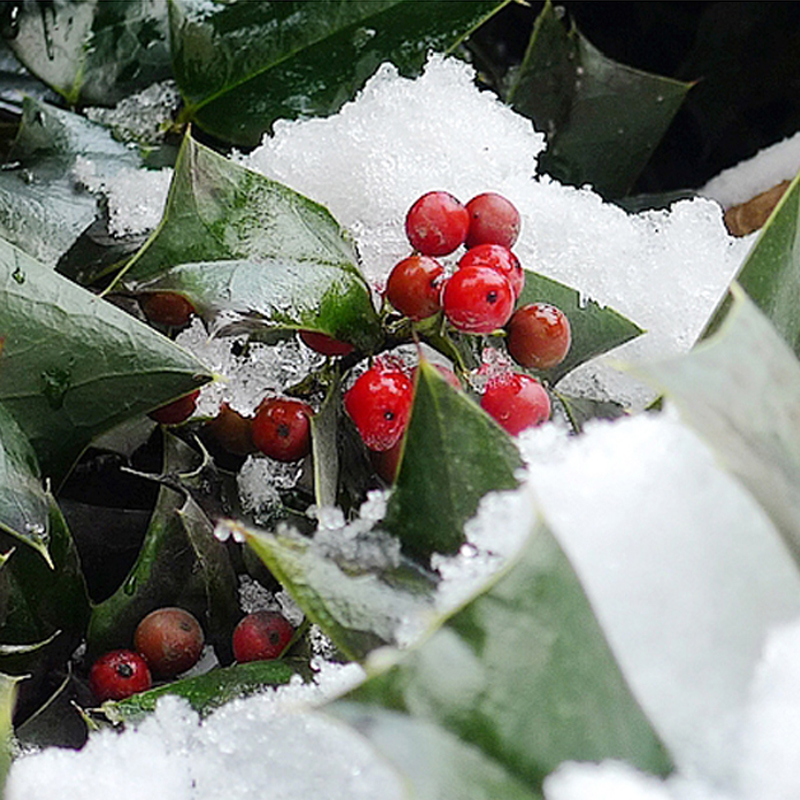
694 588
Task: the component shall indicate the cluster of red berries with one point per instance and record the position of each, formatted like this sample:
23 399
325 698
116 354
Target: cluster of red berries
169 641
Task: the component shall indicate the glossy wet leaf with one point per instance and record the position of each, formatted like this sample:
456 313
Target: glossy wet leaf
209 691
91 51
522 672
602 119
303 59
42 209
771 271
359 598
595 329
180 563
740 390
23 501
454 454
74 365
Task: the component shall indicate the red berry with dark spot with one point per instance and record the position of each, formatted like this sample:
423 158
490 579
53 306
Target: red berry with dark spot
498 258
492 220
167 308
325 344
261 636
379 403
170 639
539 336
177 412
516 401
415 286
437 224
118 675
478 300
281 429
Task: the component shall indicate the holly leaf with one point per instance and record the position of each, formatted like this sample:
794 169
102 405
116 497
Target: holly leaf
771 272
75 366
303 59
92 52
209 691
522 674
755 434
8 696
595 329
602 119
453 454
23 501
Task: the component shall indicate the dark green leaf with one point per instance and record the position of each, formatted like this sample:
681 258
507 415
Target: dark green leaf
359 599
602 119
74 365
523 673
740 390
23 501
180 563
453 455
771 271
209 691
324 428
302 58
595 329
91 51
580 410
8 695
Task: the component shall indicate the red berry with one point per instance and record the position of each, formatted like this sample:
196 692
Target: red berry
170 639
386 462
118 675
415 285
326 345
478 300
492 220
498 258
232 431
538 336
516 401
379 403
176 412
167 308
261 636
437 224
281 429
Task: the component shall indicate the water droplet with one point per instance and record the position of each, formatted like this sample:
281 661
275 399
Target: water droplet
9 20
129 586
362 36
18 275
55 384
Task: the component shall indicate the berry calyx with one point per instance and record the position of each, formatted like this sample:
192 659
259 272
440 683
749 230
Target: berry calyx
281 429
516 401
177 411
436 224
492 220
478 300
327 345
261 636
415 286
539 336
498 258
379 403
170 639
119 674
167 308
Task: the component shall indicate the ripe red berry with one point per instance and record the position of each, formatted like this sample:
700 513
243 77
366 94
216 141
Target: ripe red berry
281 429
538 336
170 639
437 224
325 344
261 636
492 220
178 411
478 300
516 401
167 308
119 674
498 258
379 403
415 286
